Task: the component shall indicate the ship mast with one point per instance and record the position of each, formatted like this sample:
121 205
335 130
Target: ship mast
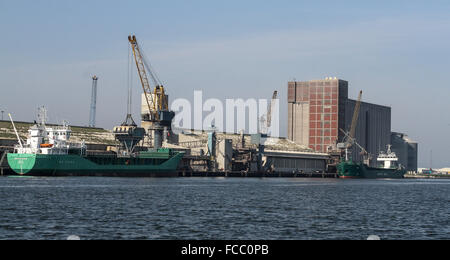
15 130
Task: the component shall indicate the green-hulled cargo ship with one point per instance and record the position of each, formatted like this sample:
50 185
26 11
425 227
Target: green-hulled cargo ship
48 152
389 170
161 163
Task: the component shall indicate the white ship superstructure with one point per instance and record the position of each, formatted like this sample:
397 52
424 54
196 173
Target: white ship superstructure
389 159
47 140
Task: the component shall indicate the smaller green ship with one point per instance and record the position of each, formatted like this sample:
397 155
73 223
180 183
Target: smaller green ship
48 152
389 168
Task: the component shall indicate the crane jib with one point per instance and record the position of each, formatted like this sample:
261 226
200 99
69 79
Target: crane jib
156 99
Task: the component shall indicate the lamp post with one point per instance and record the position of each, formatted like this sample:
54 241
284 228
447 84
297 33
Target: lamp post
2 113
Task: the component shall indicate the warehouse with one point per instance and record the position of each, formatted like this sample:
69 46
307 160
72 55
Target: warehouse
296 161
319 109
406 149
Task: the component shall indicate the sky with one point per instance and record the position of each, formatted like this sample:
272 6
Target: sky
397 52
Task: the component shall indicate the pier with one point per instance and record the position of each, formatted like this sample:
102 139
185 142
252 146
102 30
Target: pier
427 176
322 175
4 167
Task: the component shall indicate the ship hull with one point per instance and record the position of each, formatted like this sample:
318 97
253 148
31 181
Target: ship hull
379 173
350 170
75 165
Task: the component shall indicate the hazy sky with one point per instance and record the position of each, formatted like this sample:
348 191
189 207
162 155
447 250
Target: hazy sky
397 52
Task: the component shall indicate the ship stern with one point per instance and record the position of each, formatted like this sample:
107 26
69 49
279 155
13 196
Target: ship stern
21 164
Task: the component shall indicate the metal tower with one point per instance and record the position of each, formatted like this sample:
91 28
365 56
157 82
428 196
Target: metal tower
93 102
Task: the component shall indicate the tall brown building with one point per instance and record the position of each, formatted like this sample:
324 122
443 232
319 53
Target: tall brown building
317 109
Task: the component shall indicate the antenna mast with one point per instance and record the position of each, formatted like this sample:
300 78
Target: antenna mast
42 115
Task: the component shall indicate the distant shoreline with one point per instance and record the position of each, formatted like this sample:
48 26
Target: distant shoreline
422 176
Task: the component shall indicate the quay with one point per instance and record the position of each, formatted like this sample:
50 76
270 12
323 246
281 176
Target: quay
258 175
427 176
4 167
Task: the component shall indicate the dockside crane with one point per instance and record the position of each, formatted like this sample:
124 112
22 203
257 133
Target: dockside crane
349 139
158 101
266 123
159 117
271 108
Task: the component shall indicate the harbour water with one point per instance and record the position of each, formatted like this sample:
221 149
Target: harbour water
221 208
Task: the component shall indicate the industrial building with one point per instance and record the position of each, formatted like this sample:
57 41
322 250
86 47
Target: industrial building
319 110
322 123
406 150
373 131
228 152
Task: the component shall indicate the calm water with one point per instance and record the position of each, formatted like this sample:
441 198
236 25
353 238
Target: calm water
216 208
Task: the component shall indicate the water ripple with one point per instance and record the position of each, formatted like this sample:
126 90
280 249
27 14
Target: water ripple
218 208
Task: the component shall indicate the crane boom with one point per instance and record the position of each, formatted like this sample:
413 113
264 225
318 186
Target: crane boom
156 99
141 70
363 150
355 120
158 120
271 107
